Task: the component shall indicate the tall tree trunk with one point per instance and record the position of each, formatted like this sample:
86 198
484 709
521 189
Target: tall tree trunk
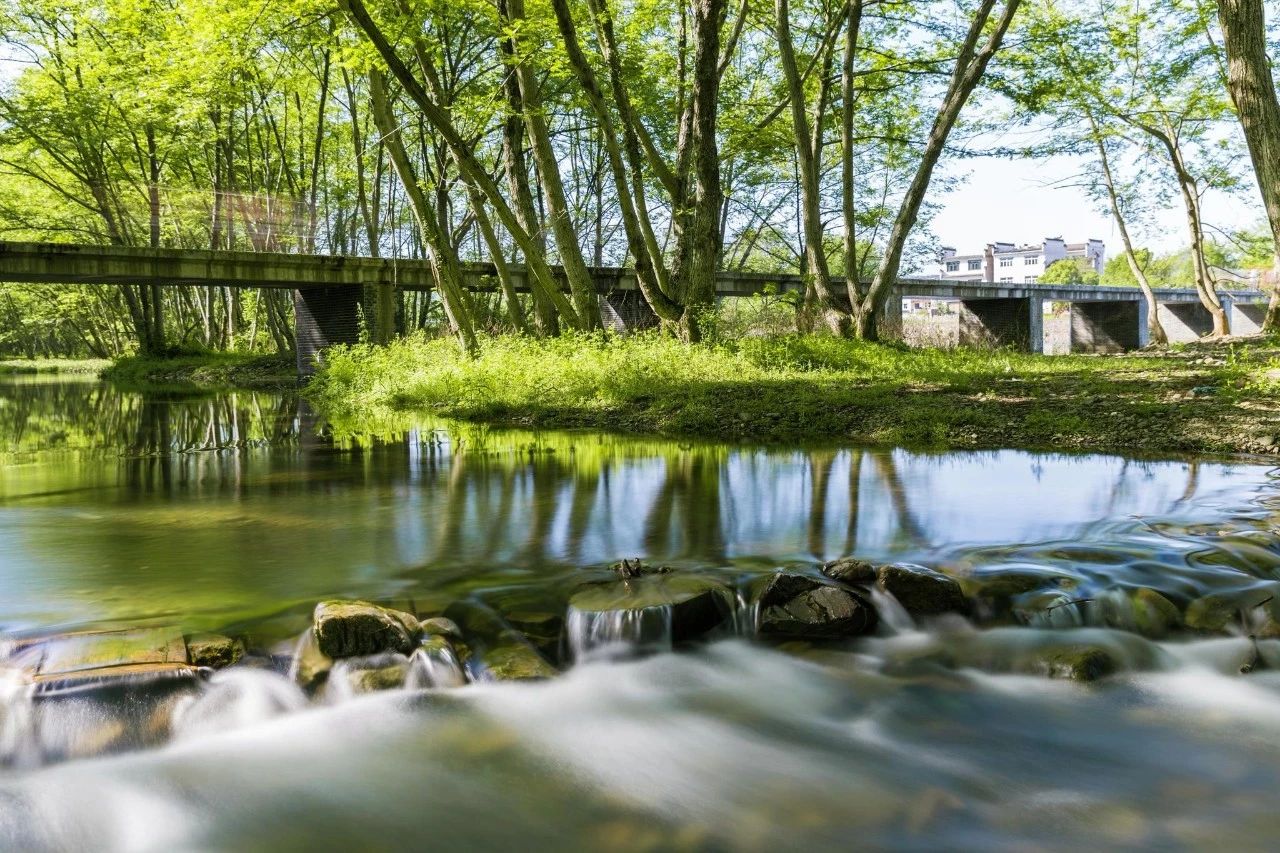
699 242
156 336
968 71
540 273
852 283
581 285
517 171
1205 288
1253 91
807 154
444 260
649 273
1155 330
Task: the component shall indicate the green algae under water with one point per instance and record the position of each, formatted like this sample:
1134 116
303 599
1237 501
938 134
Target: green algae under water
237 512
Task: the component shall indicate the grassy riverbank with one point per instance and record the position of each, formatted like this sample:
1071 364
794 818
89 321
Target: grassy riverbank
211 371
1222 397
56 366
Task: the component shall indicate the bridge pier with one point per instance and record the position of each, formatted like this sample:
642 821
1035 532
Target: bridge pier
1013 322
1184 322
626 311
1106 327
325 316
1244 318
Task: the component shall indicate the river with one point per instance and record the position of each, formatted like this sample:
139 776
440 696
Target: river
237 512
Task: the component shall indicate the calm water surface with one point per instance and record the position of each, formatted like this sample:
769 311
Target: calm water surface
238 512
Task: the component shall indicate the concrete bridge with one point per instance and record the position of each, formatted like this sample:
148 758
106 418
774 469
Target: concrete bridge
333 293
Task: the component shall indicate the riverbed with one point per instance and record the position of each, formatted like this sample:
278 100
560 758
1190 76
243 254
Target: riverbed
235 513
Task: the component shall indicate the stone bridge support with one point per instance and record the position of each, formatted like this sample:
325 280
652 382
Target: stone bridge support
626 311
1013 322
324 316
1105 327
1184 322
1245 318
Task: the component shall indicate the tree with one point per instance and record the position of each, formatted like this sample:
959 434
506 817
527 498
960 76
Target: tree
970 64
1070 271
1253 92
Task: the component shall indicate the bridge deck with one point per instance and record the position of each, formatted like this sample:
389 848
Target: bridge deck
53 263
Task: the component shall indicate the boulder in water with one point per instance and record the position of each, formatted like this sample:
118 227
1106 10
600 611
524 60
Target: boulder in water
851 570
89 660
1153 614
920 589
494 649
358 628
800 607
1077 662
436 663
310 666
213 650
439 626
653 611
386 671
516 662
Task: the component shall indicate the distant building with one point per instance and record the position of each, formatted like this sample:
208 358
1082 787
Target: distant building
1011 264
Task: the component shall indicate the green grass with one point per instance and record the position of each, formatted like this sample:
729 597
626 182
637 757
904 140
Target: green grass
817 389
61 366
211 371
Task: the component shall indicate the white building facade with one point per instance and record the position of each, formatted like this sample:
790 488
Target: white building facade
1012 264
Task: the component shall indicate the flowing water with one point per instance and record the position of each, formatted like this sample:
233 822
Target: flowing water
236 513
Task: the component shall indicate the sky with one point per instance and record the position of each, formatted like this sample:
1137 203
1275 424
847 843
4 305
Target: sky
1024 201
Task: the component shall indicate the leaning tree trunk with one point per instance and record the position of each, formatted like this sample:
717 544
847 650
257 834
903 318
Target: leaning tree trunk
517 171
1195 224
1154 328
970 66
444 261
1253 91
581 286
807 146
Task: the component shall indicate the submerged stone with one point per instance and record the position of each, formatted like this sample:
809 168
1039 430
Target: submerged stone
387 671
516 662
800 607
1001 594
1153 614
90 660
493 648
439 626
213 650
920 589
436 663
356 628
1213 612
647 611
1078 663
310 666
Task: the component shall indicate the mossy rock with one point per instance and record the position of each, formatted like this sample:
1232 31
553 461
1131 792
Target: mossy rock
1077 663
1212 612
358 628
921 590
310 666
213 650
516 662
1153 614
799 607
439 626
696 605
850 570
377 672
